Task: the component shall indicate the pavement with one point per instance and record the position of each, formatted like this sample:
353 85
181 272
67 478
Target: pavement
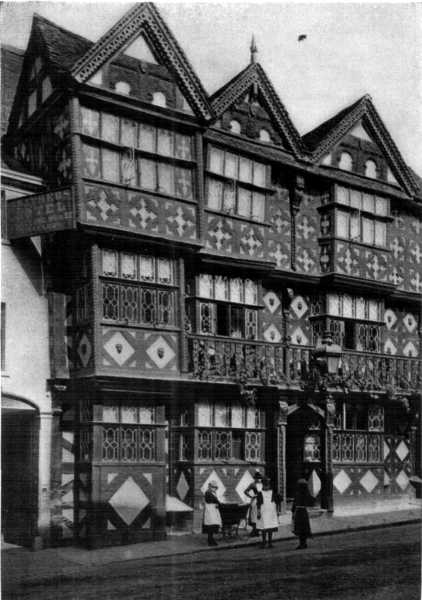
23 566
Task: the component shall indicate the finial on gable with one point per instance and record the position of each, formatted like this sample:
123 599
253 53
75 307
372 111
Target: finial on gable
254 51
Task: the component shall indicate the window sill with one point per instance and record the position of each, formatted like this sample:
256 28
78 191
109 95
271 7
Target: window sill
230 215
132 188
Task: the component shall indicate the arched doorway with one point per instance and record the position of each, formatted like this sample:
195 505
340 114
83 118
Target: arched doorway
304 443
19 479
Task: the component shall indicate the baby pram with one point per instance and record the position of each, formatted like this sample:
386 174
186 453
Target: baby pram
233 517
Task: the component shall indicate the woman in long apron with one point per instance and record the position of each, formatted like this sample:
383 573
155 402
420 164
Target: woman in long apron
252 492
212 517
268 508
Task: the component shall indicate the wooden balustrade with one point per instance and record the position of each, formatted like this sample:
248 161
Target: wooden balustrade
241 360
255 362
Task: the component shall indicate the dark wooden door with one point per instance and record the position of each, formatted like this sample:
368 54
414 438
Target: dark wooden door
19 480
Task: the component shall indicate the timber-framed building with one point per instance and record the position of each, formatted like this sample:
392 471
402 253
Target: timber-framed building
196 251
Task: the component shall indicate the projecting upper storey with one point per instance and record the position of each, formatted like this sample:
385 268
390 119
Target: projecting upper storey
127 140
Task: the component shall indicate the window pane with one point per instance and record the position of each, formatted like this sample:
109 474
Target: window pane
165 142
146 268
32 103
110 167
342 195
128 133
360 308
148 303
346 162
236 290
229 198
259 173
251 418
164 274
230 167
147 174
206 318
347 306
373 310
237 416
110 128
128 266
215 194
91 161
146 415
146 138
251 324
381 206
216 160
110 267
237 322
205 285
221 288
342 224
204 415
245 170
251 292
368 203
129 414
183 183
380 233
182 146
367 231
333 305
165 178
258 206
356 199
221 415
110 414
90 121
244 202
355 227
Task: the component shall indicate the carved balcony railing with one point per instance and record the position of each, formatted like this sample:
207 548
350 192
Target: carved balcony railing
370 371
239 360
274 364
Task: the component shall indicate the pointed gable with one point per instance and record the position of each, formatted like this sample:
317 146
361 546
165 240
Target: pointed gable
144 20
252 93
356 139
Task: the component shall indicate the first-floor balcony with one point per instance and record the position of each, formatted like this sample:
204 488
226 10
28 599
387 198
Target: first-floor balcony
255 362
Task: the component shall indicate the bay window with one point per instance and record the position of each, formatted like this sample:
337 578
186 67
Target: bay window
236 185
364 217
227 306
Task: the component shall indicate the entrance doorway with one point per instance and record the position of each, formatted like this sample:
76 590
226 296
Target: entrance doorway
304 451
19 480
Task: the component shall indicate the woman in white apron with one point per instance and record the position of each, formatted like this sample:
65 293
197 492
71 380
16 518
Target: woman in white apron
252 492
268 508
212 516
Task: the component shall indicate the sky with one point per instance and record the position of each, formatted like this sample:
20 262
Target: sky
350 50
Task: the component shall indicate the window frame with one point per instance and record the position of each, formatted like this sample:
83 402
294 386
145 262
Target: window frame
232 185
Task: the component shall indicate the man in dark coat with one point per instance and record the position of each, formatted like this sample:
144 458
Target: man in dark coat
302 500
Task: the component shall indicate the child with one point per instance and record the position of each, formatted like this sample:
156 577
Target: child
267 505
212 516
301 526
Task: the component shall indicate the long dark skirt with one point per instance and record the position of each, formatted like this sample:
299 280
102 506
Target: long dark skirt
210 528
301 526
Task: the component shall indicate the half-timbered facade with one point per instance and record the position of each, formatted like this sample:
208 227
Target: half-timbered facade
198 251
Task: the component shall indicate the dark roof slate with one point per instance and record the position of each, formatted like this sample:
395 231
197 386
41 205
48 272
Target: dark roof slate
313 138
63 47
11 66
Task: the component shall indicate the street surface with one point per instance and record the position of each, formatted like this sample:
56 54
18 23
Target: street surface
380 564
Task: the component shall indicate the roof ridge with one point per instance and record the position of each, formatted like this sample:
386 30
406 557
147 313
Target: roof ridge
15 49
38 17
